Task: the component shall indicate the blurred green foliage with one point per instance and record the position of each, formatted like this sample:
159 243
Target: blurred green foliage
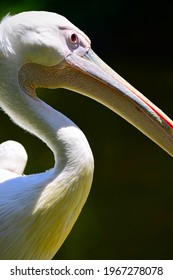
129 213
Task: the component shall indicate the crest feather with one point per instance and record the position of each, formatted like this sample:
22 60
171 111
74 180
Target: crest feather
5 31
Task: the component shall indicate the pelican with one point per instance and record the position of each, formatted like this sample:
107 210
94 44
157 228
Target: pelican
43 49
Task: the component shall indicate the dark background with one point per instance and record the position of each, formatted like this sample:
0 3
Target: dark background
129 213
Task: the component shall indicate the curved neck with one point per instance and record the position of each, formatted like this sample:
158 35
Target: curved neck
35 116
58 195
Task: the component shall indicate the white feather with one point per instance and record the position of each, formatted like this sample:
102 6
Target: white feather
38 211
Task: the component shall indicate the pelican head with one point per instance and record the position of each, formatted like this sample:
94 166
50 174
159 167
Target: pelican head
51 52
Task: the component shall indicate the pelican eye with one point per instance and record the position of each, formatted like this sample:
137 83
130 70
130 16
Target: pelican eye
73 38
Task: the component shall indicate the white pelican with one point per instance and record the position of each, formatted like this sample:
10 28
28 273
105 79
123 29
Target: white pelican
41 49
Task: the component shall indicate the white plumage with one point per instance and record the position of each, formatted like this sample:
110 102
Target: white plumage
40 49
13 157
